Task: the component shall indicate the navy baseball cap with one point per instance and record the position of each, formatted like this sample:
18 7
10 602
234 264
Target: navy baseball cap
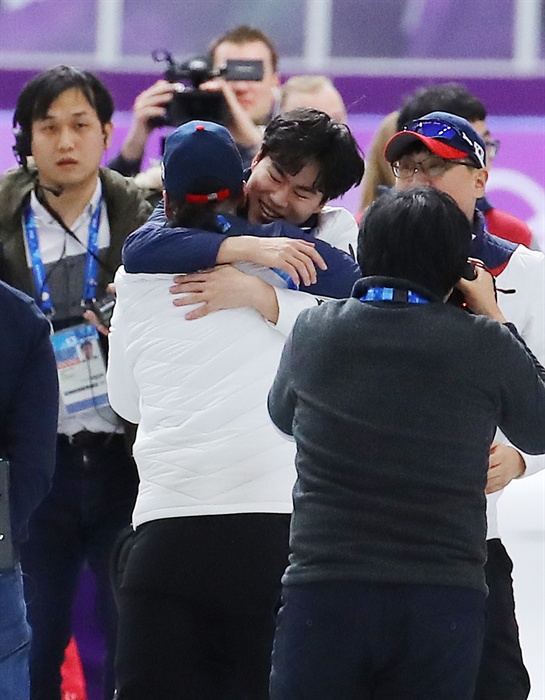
445 134
201 163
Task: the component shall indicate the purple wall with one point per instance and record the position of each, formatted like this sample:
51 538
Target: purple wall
362 94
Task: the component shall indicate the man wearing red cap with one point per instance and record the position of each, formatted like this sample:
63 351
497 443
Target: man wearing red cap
443 151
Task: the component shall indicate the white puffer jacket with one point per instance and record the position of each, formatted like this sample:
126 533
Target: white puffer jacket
205 443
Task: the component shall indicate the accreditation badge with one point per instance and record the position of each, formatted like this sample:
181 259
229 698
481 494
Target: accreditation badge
81 368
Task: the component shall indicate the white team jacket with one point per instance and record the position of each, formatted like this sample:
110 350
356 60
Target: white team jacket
525 307
205 443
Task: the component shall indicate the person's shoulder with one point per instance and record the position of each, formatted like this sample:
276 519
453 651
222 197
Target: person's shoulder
126 203
122 188
339 228
15 184
319 318
114 181
16 175
507 226
335 216
532 257
525 263
19 306
490 338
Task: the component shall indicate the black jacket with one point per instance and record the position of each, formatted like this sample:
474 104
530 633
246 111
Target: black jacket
393 407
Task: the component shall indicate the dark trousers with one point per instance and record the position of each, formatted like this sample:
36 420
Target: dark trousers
502 675
197 607
91 500
356 641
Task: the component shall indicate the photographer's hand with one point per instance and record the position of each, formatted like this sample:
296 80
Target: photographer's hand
149 104
296 257
479 294
93 319
224 287
243 130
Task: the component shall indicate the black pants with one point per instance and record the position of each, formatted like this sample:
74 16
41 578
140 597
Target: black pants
91 500
358 641
502 675
197 607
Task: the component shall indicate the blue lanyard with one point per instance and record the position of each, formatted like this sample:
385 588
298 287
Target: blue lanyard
389 294
38 268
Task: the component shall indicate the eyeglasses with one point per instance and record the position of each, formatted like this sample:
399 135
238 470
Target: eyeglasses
492 148
432 167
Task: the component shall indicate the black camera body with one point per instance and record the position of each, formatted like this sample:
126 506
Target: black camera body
192 103
103 308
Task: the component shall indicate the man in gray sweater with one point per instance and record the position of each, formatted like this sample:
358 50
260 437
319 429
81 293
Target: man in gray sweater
393 398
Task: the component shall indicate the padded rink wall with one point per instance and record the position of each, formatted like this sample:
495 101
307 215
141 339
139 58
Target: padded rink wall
516 110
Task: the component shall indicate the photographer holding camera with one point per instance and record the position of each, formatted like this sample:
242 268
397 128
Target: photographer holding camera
444 151
63 221
250 103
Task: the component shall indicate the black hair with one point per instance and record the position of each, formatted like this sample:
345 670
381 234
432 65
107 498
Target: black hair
203 215
453 98
39 93
295 138
420 235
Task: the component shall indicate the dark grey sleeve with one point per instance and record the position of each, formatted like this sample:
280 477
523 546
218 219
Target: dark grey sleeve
282 399
539 367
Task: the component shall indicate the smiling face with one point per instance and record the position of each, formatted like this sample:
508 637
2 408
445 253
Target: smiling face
276 194
69 142
256 97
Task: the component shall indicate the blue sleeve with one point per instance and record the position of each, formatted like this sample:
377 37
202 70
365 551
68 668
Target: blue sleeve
158 248
342 270
30 428
341 274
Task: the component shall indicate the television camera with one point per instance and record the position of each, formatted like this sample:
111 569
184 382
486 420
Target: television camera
190 102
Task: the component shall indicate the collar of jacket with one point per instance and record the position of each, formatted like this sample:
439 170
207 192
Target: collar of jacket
366 283
494 252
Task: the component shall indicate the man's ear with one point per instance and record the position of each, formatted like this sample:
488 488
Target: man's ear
258 156
481 176
168 209
107 131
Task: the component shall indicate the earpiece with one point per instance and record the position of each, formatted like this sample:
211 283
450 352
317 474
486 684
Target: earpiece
22 148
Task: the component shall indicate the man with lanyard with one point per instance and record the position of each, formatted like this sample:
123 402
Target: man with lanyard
444 151
63 222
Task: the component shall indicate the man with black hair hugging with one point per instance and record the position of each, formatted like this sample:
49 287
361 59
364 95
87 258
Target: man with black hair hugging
306 159
202 578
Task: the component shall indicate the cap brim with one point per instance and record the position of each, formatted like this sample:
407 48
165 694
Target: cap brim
399 143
